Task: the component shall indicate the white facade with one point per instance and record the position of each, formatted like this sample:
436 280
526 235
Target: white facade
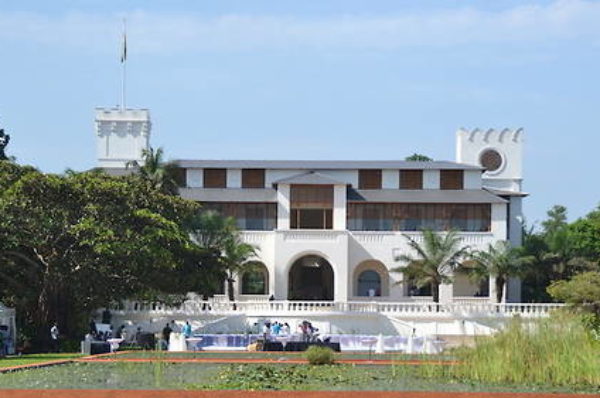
348 230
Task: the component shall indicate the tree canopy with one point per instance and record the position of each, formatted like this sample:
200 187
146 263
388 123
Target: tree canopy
72 243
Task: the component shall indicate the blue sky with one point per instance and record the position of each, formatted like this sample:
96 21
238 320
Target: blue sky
313 80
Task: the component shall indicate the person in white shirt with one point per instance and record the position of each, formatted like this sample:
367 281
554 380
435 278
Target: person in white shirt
54 333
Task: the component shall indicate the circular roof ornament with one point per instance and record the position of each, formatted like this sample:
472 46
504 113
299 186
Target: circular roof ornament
491 160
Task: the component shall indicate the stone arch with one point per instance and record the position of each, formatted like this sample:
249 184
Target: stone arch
255 280
365 276
311 277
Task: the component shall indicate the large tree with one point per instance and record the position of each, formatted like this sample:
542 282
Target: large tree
70 244
433 261
500 261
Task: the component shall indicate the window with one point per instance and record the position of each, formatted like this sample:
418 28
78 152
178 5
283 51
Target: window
249 216
470 217
311 207
411 179
369 284
255 281
253 178
451 179
215 178
369 179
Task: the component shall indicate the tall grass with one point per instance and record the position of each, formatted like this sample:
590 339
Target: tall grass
557 351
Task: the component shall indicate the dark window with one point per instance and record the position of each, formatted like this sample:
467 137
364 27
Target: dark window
253 178
411 179
311 207
311 219
255 281
369 284
249 216
491 160
470 217
451 179
180 177
215 178
369 179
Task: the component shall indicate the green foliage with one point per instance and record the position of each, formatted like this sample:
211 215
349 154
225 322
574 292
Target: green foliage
436 258
585 235
288 377
582 291
417 157
316 355
155 172
73 243
558 351
500 261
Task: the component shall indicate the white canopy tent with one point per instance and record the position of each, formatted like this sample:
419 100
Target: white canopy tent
8 328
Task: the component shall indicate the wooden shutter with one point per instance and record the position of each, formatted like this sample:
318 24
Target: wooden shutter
311 196
369 179
215 178
253 178
411 179
451 179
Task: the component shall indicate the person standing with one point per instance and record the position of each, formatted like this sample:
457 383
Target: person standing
187 330
166 335
54 333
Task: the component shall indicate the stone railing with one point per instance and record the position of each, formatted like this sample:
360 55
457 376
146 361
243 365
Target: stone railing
291 308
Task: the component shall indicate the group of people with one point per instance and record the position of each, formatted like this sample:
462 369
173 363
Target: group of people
186 331
305 329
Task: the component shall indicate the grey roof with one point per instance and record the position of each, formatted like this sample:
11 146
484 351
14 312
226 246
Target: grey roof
229 194
502 192
312 178
324 164
423 196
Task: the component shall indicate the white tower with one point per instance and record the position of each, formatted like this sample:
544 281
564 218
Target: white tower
500 152
121 135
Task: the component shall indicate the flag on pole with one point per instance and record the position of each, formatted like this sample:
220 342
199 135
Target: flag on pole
124 49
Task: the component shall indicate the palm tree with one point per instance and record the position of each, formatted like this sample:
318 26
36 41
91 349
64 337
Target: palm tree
435 259
237 258
155 171
210 230
500 261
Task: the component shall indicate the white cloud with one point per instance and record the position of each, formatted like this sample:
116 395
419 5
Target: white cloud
155 33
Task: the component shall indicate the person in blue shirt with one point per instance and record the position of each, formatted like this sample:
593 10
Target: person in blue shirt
187 330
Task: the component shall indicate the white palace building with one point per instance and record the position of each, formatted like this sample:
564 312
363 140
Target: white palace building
328 231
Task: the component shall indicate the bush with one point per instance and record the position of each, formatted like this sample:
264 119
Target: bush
316 355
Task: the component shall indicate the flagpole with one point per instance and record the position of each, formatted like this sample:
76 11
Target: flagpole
123 66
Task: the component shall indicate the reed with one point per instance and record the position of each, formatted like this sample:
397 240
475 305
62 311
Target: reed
557 351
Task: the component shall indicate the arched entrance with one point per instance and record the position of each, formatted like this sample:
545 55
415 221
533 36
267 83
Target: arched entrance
311 278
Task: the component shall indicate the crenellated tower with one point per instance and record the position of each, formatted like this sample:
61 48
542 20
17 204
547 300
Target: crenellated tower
500 152
121 135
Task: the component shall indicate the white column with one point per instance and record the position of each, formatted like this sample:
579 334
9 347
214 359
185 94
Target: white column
194 178
283 206
446 293
234 178
499 224
431 179
390 179
339 207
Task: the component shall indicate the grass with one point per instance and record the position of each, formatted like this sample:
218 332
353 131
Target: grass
557 351
34 358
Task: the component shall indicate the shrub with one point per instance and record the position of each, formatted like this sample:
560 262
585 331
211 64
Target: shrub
317 355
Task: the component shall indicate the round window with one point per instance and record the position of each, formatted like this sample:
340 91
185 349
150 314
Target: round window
491 160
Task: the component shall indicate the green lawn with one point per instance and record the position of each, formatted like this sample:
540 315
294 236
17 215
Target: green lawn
34 358
161 375
276 355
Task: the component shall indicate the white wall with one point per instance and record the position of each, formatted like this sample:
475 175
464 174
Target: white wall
472 179
431 179
194 178
234 178
390 179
